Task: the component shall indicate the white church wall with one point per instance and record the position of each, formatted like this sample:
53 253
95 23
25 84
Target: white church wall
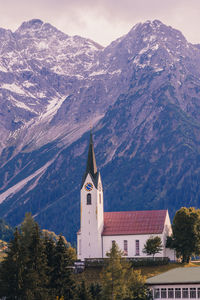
131 239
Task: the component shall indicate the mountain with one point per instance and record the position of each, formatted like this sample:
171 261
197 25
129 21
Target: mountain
141 94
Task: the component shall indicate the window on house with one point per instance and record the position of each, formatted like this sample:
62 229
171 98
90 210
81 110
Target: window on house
177 293
100 198
89 199
198 293
185 293
163 293
125 247
137 247
157 293
80 247
192 292
171 293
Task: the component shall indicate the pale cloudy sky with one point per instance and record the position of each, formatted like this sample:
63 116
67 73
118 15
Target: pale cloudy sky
103 20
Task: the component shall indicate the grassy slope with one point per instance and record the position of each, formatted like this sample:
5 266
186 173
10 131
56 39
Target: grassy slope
93 274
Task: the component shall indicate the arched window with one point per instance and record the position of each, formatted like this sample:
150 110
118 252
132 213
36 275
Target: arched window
89 199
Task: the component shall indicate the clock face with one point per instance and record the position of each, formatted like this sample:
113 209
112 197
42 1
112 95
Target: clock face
88 186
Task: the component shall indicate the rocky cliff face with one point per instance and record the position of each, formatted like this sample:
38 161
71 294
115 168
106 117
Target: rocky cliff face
141 94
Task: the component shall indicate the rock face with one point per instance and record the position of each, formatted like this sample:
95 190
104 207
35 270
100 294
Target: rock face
141 94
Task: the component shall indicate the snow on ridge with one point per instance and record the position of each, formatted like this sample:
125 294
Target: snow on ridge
13 88
52 107
27 84
23 182
3 69
22 105
101 72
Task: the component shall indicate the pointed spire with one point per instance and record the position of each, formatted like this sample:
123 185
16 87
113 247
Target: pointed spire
91 161
91 167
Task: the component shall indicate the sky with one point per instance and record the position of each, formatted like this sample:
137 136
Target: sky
103 20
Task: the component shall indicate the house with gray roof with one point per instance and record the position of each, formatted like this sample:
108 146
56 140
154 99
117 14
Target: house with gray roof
179 283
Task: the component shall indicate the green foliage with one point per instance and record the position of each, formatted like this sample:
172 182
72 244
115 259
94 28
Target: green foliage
186 233
36 267
82 292
136 286
62 281
153 245
11 270
6 231
119 280
96 291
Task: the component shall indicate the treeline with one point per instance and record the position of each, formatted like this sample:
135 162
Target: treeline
38 266
6 231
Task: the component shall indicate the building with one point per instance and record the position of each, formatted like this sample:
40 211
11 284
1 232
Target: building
130 229
179 283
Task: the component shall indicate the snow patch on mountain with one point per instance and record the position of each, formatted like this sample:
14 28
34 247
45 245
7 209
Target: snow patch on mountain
13 87
14 189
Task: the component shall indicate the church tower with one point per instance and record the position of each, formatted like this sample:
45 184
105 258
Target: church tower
89 241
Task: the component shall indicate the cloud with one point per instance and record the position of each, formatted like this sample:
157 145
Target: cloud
103 20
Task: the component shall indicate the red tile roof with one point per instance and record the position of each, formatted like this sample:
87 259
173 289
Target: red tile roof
134 222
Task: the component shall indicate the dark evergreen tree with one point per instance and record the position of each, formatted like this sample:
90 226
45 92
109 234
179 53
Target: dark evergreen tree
12 270
36 277
96 291
82 292
50 250
62 279
6 231
23 271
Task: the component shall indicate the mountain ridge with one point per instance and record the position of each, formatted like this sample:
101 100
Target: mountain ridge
141 94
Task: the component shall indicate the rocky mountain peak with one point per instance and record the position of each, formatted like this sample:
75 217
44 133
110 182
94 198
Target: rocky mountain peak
141 94
34 24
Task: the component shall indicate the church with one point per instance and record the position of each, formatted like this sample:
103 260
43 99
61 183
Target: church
129 229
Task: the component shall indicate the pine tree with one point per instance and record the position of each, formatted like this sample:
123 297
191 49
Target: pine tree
36 277
136 286
50 250
96 291
113 275
83 293
23 271
62 279
12 270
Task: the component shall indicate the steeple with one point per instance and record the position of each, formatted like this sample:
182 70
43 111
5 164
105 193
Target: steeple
91 167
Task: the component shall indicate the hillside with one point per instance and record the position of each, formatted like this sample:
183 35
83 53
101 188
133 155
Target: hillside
141 94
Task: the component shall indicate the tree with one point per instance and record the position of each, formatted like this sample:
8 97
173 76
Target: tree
137 289
119 280
6 231
186 233
12 270
153 245
23 271
36 277
113 275
96 291
82 292
62 279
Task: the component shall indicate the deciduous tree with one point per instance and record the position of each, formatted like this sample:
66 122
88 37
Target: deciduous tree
153 245
186 233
